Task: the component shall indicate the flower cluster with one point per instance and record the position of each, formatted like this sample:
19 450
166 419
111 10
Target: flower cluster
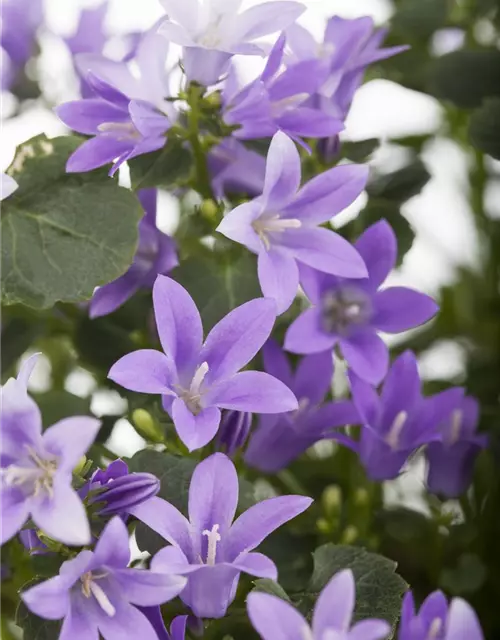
323 299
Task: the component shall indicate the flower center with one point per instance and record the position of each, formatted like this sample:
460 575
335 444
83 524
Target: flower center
280 107
343 309
394 434
435 629
273 224
36 476
120 130
211 38
192 396
213 538
91 588
456 426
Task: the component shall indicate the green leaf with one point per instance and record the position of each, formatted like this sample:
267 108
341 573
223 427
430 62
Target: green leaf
56 405
359 151
419 19
378 588
273 588
466 77
484 128
63 234
35 628
401 185
164 168
218 285
18 334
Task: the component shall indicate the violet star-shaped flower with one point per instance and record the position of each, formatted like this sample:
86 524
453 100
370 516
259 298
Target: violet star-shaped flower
350 313
156 254
36 468
400 420
236 169
212 31
96 592
198 379
451 458
438 621
89 36
278 101
281 225
209 548
275 619
280 439
349 46
128 115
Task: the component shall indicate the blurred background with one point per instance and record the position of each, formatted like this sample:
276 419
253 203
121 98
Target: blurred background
430 120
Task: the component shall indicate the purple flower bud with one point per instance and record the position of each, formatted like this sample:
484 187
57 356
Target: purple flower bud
32 543
117 490
233 431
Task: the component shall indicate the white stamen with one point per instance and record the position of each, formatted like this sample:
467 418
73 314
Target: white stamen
90 587
287 104
306 633
274 224
435 629
123 130
396 428
199 376
213 538
40 476
456 426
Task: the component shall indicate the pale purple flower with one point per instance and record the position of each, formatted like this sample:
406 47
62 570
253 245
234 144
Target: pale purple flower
156 254
281 225
349 46
400 420
234 169
350 313
276 619
89 36
212 31
177 628
96 592
7 186
233 431
280 439
438 621
128 114
196 378
36 467
451 458
277 101
20 21
209 548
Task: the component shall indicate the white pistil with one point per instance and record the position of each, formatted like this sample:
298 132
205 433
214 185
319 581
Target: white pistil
273 224
306 633
287 104
199 376
456 426
123 130
435 629
90 587
213 538
395 430
40 476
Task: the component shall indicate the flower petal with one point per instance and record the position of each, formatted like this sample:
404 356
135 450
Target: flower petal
20 419
256 523
147 588
144 371
310 123
210 590
398 309
185 12
365 399
49 599
78 625
335 604
305 334
278 277
324 250
255 392
166 520
462 623
97 152
14 512
237 225
237 338
112 548
62 517
283 172
276 362
111 296
313 378
256 564
178 322
367 355
275 619
213 494
328 194
195 431
85 116
370 630
263 19
70 438
202 65
402 387
172 560
378 248
128 623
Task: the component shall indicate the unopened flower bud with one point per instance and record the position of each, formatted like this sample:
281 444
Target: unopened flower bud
209 209
80 466
146 425
233 431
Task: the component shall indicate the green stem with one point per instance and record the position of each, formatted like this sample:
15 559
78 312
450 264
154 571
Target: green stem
203 185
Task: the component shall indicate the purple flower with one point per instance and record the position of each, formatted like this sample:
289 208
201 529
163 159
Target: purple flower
400 420
350 313
89 36
212 31
127 115
115 490
277 101
177 628
233 431
280 439
156 254
96 593
198 379
281 225
209 548
236 169
451 459
7 186
32 543
36 467
437 621
349 47
275 619
20 21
